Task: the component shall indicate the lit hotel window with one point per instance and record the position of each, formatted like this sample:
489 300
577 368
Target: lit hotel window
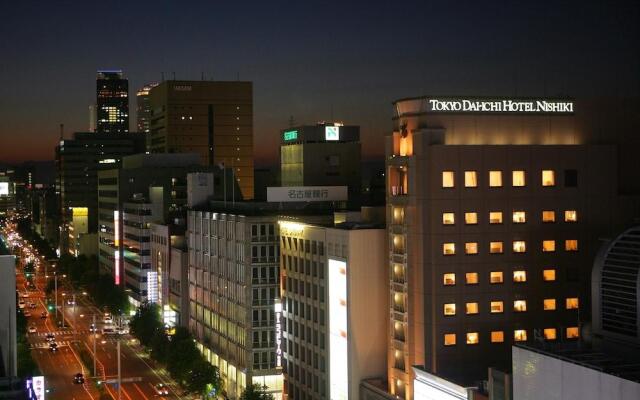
570 216
519 217
398 215
448 218
548 177
571 245
472 308
548 246
450 309
449 339
519 276
518 178
497 307
449 279
519 246
520 335
549 275
495 217
495 178
471 278
470 218
549 304
548 216
520 305
470 179
472 338
495 247
495 277
550 334
572 303
497 336
447 179
572 332
471 248
448 249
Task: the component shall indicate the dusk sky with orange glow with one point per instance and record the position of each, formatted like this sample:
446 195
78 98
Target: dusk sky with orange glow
312 61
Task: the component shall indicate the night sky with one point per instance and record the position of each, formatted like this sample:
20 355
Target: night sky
308 60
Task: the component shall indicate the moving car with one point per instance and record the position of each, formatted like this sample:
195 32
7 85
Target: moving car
50 337
92 328
78 378
71 302
53 346
32 329
27 314
21 304
43 315
162 389
32 305
107 319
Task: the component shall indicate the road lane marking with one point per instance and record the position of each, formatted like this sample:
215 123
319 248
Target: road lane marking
140 391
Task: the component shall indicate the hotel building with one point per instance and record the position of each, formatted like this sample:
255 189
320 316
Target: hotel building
334 307
494 210
212 119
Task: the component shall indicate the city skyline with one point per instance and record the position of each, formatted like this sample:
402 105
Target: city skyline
350 69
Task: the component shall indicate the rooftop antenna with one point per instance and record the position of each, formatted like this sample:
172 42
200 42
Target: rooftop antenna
331 112
162 76
202 75
292 122
238 76
174 75
61 131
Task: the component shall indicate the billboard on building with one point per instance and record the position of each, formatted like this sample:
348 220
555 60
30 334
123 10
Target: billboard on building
338 331
4 188
306 193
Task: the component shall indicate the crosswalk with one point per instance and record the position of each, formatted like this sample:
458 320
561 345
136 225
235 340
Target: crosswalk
45 345
67 332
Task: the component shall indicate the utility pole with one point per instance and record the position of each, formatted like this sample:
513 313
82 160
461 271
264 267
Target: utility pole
63 311
74 318
55 278
95 355
119 374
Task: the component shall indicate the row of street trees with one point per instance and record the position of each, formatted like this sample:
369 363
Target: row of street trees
178 352
83 272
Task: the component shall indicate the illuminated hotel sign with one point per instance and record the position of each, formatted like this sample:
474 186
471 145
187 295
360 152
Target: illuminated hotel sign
331 133
453 105
277 305
290 135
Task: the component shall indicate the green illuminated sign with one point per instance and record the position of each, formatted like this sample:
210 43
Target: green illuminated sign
290 135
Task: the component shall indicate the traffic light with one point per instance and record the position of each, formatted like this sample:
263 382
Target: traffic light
50 307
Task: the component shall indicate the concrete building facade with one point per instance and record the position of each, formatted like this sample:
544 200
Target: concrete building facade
334 307
212 119
494 209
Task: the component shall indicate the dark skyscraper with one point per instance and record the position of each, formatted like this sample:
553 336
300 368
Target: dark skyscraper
144 107
112 91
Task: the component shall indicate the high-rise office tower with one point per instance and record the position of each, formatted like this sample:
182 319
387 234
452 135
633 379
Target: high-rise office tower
213 119
78 161
144 108
324 154
112 103
494 210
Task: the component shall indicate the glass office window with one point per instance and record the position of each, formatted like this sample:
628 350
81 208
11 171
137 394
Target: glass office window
470 218
497 307
450 309
472 308
571 245
520 335
519 276
519 246
471 248
497 336
549 304
449 339
548 246
449 279
520 305
550 333
448 249
572 303
570 216
472 338
548 216
573 332
496 247
448 218
549 275
495 217
471 278
496 277
519 217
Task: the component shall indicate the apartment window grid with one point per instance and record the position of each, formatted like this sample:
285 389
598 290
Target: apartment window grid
471 217
548 178
304 316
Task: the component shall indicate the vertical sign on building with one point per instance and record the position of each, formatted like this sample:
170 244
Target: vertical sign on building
338 333
152 286
331 133
277 305
116 243
38 387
